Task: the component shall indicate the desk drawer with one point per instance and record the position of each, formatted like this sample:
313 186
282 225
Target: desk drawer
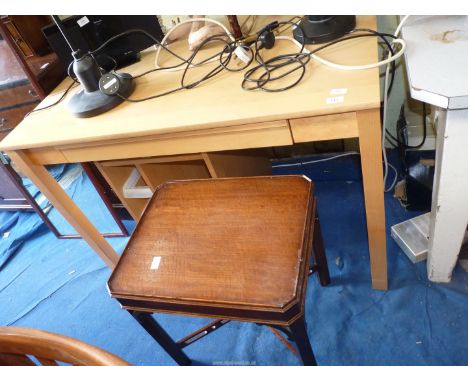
257 135
324 127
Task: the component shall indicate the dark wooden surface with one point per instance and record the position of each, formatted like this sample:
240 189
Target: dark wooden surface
26 33
10 69
238 245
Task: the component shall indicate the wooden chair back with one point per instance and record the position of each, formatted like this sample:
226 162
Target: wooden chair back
17 345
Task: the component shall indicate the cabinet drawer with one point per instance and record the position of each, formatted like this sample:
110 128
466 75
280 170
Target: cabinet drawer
9 118
10 96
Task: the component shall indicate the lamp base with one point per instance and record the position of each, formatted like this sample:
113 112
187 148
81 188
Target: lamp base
89 104
322 29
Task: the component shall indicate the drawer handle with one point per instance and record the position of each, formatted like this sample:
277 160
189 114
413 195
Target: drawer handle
3 128
32 93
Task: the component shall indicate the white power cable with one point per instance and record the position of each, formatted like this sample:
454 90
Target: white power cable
334 157
351 67
395 179
315 161
368 66
171 31
313 56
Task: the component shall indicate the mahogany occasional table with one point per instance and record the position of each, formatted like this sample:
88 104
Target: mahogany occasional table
229 248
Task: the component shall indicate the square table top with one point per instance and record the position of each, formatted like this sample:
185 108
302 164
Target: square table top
217 102
220 242
437 59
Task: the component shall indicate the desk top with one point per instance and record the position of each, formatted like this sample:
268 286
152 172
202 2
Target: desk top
217 102
437 59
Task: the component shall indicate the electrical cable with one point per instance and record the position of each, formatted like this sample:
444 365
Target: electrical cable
331 158
163 42
390 59
424 114
157 42
266 71
132 31
258 77
384 120
394 141
274 64
224 56
291 20
245 21
254 20
316 161
383 36
73 83
301 58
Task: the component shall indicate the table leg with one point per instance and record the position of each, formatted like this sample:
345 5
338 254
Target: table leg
449 213
161 337
319 255
370 142
65 205
299 334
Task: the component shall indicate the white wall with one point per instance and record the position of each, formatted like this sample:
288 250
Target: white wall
400 93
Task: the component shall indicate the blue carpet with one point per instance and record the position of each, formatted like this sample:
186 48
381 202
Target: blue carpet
60 286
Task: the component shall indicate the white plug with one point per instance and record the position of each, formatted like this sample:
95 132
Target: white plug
243 54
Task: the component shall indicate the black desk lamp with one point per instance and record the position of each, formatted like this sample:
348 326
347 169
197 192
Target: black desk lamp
322 29
99 91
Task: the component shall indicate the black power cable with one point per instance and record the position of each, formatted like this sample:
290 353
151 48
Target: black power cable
424 114
225 57
64 94
270 66
402 134
384 36
56 102
260 77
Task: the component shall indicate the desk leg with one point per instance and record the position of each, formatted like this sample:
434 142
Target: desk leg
370 142
449 212
65 205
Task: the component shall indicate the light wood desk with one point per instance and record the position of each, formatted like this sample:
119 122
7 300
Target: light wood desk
216 116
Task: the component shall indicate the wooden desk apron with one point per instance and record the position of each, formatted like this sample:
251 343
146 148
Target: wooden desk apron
255 135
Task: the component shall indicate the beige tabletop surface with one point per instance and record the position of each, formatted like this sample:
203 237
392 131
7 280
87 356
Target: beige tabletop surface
217 102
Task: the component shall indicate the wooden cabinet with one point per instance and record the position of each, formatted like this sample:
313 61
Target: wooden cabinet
17 95
25 32
28 72
25 77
